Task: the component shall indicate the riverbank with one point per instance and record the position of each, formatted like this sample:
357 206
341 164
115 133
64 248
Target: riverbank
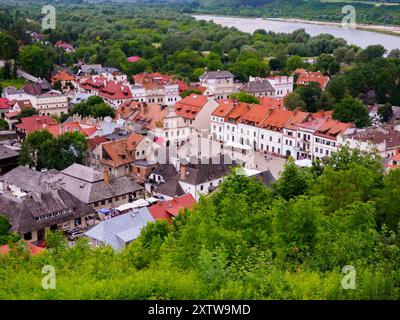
392 30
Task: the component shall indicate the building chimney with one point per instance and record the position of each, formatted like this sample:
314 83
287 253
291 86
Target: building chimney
106 176
183 171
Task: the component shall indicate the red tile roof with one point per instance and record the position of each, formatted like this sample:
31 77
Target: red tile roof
272 103
121 152
62 76
134 59
277 119
190 106
115 91
34 123
4 103
94 142
170 209
63 45
59 129
307 77
256 115
331 128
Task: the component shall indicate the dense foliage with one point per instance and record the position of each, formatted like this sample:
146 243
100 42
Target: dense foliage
40 150
245 241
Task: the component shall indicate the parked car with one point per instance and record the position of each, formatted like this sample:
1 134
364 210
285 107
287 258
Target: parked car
75 234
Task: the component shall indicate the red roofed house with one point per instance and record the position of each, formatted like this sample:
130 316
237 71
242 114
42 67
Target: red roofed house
134 59
196 111
65 46
5 106
113 92
94 153
326 137
156 88
66 79
276 130
225 119
16 107
32 124
168 210
118 156
306 77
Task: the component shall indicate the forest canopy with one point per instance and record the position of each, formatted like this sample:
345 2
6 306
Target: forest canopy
290 241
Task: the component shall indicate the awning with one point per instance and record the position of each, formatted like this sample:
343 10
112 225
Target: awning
152 200
304 163
236 145
133 205
140 203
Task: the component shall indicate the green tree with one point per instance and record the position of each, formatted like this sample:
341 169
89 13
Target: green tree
189 92
351 110
294 62
34 60
293 101
9 47
101 110
28 112
310 94
32 149
245 97
385 112
292 182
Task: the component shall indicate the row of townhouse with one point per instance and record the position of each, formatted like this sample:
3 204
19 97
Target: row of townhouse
276 131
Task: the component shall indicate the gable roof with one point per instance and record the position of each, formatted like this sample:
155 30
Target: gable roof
121 152
88 185
96 141
216 75
257 86
190 106
255 115
277 119
122 229
170 209
115 91
57 203
4 103
308 77
34 123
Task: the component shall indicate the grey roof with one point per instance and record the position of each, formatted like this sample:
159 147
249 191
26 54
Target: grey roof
87 68
198 171
265 177
122 229
257 86
6 153
27 179
166 171
13 90
171 188
89 190
23 213
83 173
216 75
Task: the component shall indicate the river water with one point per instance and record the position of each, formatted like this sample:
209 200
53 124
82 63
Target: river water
360 38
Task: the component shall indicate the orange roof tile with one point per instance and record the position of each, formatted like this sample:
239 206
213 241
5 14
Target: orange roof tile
256 115
121 152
